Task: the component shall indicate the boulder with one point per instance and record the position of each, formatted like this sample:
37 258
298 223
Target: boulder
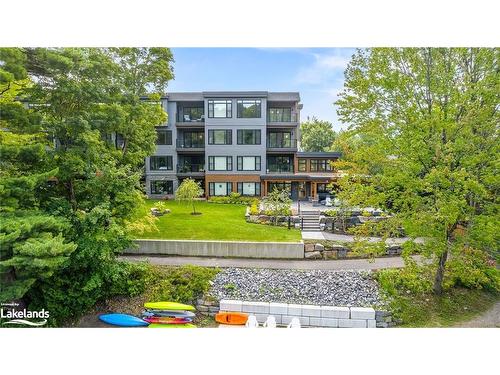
308 247
319 247
313 255
342 253
329 254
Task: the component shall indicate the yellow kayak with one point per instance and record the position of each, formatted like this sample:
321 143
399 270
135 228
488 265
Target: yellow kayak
168 306
155 325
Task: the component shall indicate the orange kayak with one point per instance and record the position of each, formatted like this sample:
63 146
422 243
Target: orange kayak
235 318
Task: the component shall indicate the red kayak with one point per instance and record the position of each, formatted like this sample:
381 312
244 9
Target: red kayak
167 320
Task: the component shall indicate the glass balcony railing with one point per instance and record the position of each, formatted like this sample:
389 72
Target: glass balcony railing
279 168
186 143
190 168
283 143
281 115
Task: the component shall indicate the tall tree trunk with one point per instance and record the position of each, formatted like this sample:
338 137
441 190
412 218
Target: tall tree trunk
71 194
438 280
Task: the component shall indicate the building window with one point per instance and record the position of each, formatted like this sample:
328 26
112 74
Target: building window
220 163
191 139
322 188
249 163
162 187
194 114
249 188
160 163
249 108
280 114
163 136
220 137
219 188
248 136
280 164
320 165
220 109
280 140
302 165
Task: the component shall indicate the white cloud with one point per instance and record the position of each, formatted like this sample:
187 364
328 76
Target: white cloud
323 69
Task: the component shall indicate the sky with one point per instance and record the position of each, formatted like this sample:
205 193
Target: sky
316 73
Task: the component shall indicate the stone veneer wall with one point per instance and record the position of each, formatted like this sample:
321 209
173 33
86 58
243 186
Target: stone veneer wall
309 315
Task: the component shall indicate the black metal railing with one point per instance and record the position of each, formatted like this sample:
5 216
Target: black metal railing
190 168
183 143
285 143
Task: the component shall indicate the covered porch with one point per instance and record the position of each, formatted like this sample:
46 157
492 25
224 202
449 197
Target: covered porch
302 187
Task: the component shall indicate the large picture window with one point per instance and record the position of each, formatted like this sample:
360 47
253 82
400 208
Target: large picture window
280 164
163 136
280 114
220 163
280 140
248 136
162 187
249 108
249 188
220 137
219 188
160 163
220 109
249 163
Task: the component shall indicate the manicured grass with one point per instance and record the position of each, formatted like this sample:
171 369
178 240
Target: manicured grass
217 222
454 306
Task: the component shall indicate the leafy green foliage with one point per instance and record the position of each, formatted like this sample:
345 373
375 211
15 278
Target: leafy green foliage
234 198
189 190
182 284
74 156
277 203
423 144
316 135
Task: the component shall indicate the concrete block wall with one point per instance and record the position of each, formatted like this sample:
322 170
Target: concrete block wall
309 315
269 250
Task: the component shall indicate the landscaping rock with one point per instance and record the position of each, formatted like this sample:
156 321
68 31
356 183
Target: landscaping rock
342 253
313 255
308 247
329 254
319 247
312 287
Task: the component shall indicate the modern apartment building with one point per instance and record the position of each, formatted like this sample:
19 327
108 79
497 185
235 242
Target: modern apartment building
241 141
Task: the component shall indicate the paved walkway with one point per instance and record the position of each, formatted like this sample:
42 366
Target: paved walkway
324 235
343 264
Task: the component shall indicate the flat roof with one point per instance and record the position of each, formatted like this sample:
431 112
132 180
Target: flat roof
306 154
271 96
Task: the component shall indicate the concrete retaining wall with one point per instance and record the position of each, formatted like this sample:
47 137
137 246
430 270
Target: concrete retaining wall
309 315
276 250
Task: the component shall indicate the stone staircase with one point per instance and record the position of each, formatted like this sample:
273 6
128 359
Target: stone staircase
310 220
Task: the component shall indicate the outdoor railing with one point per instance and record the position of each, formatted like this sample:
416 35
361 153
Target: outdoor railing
181 143
289 143
190 168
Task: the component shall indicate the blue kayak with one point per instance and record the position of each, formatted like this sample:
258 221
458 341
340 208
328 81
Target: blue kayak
123 320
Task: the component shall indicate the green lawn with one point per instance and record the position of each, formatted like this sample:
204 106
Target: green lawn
453 307
217 222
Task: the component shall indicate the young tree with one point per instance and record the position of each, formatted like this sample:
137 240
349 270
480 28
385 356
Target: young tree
428 120
277 203
316 135
189 190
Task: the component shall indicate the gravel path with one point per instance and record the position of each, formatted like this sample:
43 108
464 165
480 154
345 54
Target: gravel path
490 319
318 287
341 264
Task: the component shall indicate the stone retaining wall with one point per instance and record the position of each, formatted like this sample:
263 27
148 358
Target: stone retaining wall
269 250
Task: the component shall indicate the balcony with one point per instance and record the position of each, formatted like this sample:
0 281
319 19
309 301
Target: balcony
192 120
281 145
191 169
189 146
277 117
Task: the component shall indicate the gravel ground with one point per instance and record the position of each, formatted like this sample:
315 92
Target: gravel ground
318 287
